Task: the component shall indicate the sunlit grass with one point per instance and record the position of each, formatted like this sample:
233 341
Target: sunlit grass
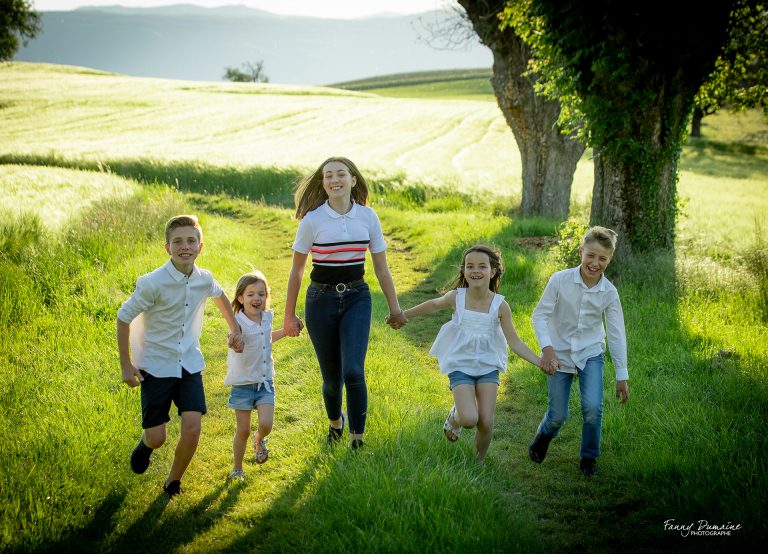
688 445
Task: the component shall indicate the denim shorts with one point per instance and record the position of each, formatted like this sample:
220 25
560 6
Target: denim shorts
247 397
460 378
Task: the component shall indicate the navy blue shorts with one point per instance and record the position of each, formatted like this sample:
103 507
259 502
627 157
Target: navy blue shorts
157 393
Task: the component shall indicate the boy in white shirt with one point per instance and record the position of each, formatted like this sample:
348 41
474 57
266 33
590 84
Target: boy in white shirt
160 325
568 323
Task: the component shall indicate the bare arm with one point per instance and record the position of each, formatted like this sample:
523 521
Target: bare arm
513 340
278 334
129 372
396 318
291 323
235 339
448 300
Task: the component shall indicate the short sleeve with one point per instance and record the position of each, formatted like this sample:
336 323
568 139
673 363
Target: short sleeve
377 244
305 236
216 289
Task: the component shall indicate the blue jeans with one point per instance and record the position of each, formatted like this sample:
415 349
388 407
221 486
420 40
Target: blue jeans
591 388
339 324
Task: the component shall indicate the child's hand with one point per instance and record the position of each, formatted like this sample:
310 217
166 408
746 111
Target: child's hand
549 362
622 391
292 325
235 341
396 321
130 374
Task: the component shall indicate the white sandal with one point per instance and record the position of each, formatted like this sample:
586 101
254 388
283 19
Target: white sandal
260 452
449 429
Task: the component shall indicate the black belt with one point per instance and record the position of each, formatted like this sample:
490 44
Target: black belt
338 287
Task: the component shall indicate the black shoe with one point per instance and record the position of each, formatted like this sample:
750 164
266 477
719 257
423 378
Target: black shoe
334 435
537 450
173 488
588 466
140 457
357 444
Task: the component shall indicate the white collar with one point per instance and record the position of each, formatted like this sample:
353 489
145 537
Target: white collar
178 275
335 215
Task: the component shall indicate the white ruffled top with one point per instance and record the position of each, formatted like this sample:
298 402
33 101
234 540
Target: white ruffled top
254 365
471 342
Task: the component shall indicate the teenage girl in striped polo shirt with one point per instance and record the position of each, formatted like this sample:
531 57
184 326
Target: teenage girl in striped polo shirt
336 228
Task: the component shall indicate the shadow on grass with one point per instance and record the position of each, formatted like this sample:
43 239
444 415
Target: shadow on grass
725 159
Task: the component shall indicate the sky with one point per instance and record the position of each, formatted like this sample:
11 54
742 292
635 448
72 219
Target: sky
312 8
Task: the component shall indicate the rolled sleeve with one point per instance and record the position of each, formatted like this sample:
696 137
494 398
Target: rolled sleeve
140 301
216 289
617 337
543 311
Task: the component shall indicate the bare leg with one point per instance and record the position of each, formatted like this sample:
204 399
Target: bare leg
240 440
486 407
189 436
466 406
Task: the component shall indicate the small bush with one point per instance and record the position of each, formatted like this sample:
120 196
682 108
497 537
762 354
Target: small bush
570 233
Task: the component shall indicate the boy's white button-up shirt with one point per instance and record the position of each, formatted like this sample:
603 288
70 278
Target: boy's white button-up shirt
165 313
569 318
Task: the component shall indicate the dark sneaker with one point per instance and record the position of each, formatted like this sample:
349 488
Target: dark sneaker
357 444
588 466
173 488
537 450
140 457
334 435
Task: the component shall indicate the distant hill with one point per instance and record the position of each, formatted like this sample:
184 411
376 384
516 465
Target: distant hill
196 43
466 84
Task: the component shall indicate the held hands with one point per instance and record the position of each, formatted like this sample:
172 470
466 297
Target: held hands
549 363
130 375
292 325
396 321
235 341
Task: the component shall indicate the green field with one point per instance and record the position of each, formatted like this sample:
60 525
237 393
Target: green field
94 163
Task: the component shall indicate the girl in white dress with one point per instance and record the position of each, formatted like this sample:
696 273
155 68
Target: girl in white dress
472 347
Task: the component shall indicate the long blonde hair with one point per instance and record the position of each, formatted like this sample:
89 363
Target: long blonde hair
248 279
310 193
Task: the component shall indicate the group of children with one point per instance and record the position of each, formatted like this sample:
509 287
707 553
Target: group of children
158 330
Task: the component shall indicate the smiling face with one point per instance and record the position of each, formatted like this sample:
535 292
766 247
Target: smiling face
183 246
477 270
338 181
594 259
254 300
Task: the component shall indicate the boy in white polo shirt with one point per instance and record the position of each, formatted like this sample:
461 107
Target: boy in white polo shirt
160 325
568 323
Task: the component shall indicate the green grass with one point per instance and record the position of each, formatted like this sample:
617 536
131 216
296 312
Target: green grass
83 215
456 84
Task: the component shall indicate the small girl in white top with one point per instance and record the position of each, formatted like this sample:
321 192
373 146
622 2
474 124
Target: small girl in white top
472 348
251 372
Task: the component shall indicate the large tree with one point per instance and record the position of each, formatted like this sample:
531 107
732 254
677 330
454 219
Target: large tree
19 23
740 79
628 73
548 156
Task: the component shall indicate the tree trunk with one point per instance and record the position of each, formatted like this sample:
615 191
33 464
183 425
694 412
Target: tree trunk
636 196
698 115
548 157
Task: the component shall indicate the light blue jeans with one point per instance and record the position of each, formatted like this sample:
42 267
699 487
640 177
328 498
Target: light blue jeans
591 388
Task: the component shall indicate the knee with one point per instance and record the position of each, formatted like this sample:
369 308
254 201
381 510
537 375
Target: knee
354 377
467 421
556 420
190 431
242 434
485 423
592 414
154 438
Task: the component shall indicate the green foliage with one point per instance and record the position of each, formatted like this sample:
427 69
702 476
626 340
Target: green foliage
569 236
740 78
20 235
626 79
19 23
